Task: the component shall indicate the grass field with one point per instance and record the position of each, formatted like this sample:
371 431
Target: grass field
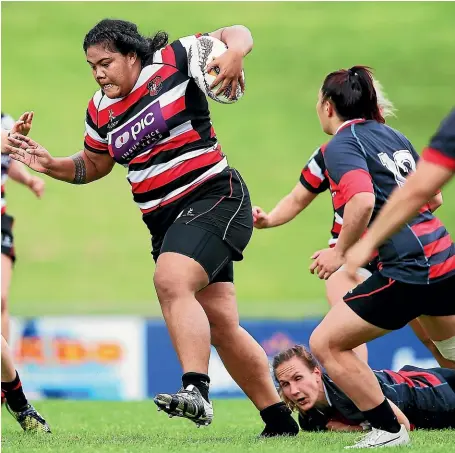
85 249
137 427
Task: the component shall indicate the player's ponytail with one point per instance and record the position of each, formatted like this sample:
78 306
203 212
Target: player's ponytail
123 36
157 42
353 94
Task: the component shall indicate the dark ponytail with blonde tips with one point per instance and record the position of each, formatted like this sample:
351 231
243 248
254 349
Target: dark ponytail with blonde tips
352 93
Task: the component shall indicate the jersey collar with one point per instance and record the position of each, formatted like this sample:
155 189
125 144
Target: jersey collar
348 123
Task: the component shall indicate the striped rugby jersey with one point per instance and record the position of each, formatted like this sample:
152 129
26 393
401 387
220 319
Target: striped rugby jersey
366 156
314 178
161 131
424 396
7 124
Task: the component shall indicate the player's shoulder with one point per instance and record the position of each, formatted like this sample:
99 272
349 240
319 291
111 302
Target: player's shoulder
447 126
95 101
186 41
345 140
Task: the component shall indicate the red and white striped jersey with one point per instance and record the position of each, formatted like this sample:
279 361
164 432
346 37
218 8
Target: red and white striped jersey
161 131
7 124
314 177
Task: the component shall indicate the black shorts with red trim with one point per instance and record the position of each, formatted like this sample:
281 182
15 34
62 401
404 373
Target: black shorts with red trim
213 228
7 237
390 304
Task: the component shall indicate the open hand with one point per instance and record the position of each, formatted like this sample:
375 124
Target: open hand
29 152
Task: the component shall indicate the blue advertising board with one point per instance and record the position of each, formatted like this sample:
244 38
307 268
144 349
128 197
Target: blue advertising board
164 372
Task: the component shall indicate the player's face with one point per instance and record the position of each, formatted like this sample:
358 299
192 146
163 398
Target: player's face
322 109
115 73
299 384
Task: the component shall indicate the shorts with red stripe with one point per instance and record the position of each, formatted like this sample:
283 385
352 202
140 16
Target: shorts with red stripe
390 304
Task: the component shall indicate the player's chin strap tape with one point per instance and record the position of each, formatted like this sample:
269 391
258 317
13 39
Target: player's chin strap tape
446 348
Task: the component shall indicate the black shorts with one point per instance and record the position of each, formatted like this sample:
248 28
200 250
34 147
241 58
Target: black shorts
390 304
7 236
213 228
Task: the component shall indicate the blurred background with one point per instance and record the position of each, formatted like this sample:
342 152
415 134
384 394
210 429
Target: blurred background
83 250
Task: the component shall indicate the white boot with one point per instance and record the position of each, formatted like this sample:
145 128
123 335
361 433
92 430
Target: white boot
378 438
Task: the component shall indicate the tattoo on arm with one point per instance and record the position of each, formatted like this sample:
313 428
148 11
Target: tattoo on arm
80 175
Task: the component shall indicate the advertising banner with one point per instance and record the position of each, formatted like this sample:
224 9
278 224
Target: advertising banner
76 357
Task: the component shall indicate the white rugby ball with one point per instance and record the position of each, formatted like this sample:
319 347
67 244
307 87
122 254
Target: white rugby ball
200 54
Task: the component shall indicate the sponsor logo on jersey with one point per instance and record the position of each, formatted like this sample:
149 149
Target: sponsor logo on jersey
139 134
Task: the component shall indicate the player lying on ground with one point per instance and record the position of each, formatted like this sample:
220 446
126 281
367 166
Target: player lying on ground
435 169
420 398
314 181
150 116
366 160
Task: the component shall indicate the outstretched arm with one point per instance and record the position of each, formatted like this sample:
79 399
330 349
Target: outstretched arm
286 209
81 168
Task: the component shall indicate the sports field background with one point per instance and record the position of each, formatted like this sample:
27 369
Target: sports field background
84 249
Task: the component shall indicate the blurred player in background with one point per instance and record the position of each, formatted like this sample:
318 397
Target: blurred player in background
17 172
12 391
313 181
420 398
365 162
150 116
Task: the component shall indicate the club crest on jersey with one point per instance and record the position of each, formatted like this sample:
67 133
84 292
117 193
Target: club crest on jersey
154 86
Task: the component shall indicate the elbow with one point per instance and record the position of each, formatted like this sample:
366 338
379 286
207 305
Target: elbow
436 202
364 202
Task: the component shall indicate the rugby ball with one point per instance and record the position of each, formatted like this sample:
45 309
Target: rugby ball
200 54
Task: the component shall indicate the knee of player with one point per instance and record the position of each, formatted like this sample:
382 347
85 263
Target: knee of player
319 346
169 285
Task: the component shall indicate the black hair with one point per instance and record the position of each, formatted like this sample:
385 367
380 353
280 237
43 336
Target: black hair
123 36
352 93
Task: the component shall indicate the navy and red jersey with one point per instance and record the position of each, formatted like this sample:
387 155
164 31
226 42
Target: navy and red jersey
161 131
314 178
441 149
7 124
424 396
367 156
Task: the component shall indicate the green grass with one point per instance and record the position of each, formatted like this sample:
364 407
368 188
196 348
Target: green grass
83 427
85 249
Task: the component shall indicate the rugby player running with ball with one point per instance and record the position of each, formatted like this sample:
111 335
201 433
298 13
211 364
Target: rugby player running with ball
150 116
